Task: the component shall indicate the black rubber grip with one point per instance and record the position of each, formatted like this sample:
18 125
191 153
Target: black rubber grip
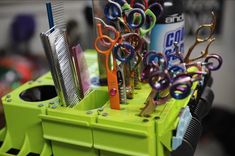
204 104
190 139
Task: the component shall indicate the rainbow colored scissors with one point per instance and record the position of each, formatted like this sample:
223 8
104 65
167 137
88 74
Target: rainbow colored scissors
181 87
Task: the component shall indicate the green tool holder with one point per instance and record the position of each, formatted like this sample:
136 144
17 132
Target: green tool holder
90 128
23 134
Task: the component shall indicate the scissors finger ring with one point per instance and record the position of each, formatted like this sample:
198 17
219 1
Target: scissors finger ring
211 65
159 80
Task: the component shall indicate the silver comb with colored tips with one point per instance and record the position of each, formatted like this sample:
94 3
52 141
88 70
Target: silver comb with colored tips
61 66
55 12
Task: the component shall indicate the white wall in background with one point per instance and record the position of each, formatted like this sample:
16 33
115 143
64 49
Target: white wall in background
224 79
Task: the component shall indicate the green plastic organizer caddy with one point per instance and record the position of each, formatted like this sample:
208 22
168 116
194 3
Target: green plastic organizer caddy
41 126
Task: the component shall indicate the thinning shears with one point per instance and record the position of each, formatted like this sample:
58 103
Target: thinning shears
104 45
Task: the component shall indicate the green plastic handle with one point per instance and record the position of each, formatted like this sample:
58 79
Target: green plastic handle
143 31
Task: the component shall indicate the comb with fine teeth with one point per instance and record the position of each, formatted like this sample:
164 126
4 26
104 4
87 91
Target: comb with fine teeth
55 12
61 66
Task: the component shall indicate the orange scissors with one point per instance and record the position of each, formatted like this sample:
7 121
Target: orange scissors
104 45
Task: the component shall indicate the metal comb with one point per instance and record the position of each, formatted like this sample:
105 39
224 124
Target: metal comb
61 66
55 11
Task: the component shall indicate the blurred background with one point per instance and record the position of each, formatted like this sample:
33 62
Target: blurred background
22 57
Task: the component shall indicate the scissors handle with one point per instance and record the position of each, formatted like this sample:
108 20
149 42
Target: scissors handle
105 40
147 72
153 19
112 11
157 9
211 65
128 50
157 58
144 2
135 40
159 80
180 90
175 70
132 17
174 58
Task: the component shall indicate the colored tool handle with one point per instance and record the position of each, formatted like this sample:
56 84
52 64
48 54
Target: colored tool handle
180 90
132 16
124 57
144 2
153 19
214 66
112 11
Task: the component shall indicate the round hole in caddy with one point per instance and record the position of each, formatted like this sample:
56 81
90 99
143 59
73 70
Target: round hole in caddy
39 93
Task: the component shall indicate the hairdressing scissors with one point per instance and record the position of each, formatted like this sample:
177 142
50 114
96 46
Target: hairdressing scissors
212 62
156 71
135 17
159 93
153 11
137 42
124 52
113 11
155 7
131 40
201 39
141 22
104 45
132 65
157 57
143 4
182 83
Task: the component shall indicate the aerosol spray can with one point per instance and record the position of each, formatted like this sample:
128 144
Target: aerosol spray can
169 27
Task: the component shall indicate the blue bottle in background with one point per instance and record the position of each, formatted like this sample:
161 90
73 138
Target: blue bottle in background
169 27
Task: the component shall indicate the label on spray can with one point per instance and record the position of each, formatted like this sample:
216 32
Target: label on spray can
165 34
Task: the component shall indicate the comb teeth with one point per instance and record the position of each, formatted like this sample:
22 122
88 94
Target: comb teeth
66 71
61 66
58 14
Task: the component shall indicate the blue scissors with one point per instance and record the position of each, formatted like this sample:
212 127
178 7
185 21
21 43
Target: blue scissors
155 7
113 11
135 17
123 52
157 57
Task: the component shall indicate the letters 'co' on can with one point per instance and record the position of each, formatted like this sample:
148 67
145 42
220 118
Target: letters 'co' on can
169 28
